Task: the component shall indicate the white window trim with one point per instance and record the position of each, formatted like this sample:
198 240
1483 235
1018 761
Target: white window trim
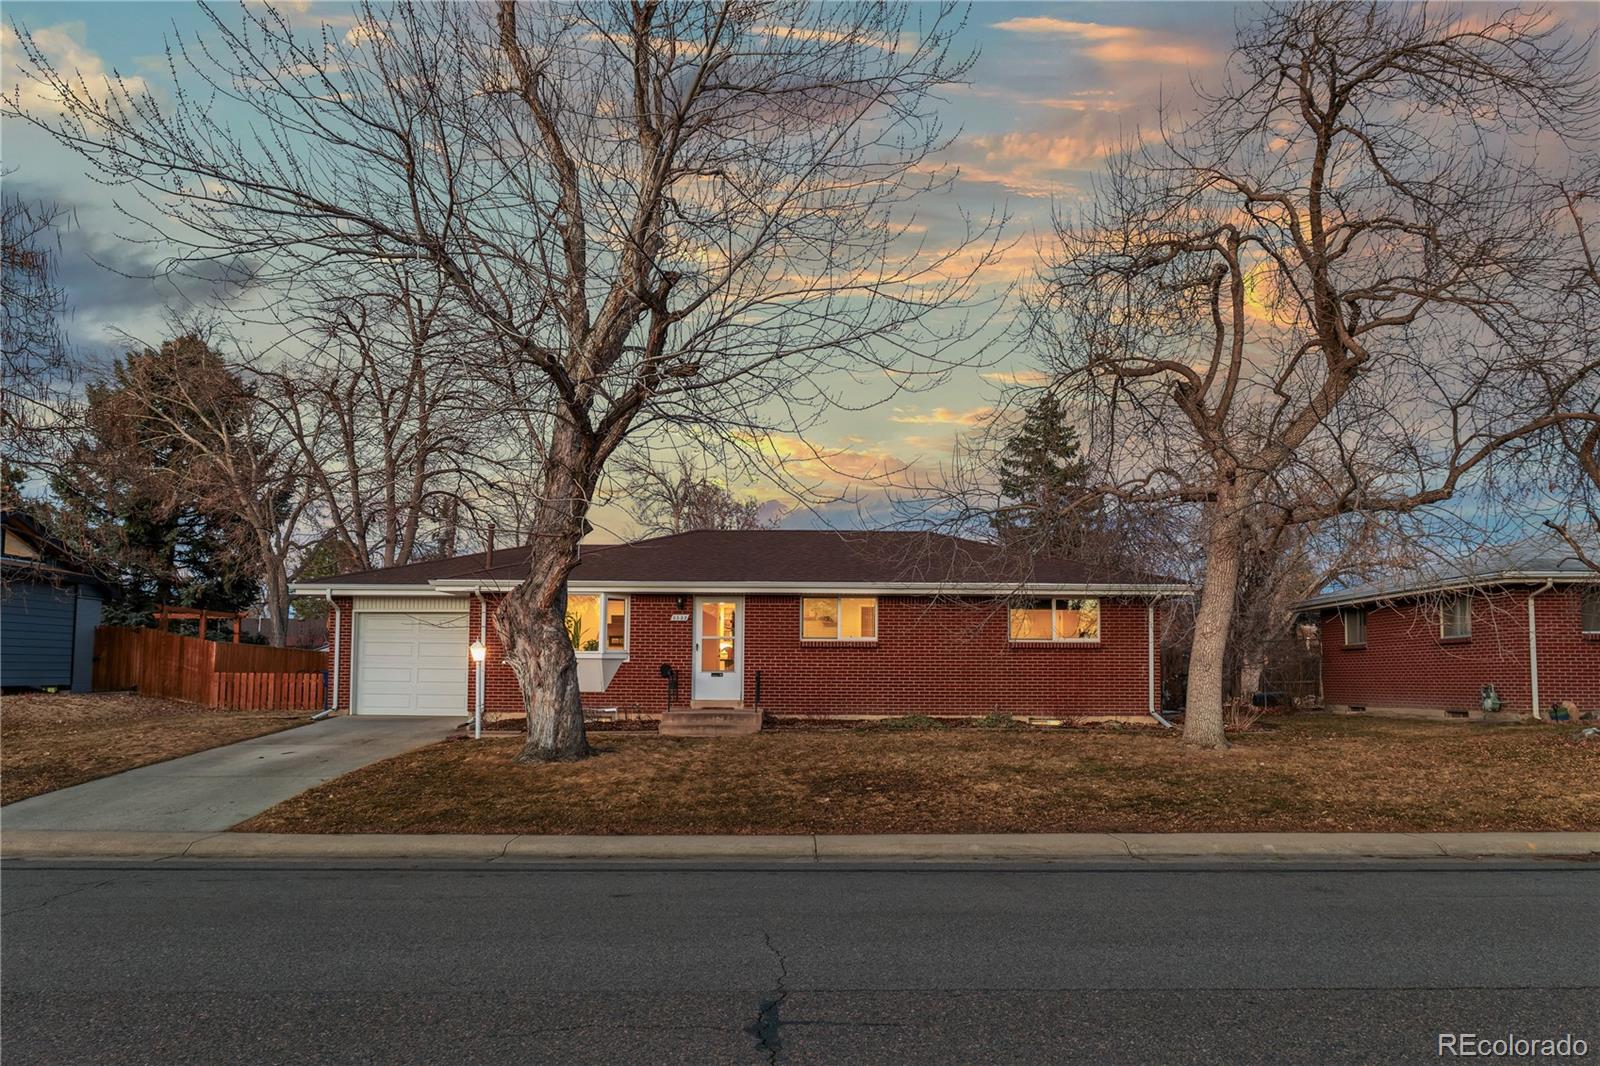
1344 620
1100 618
877 619
1448 611
627 627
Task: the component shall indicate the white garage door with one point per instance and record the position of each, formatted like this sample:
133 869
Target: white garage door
411 664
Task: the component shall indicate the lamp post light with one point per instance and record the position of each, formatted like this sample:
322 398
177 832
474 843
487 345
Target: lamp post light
479 653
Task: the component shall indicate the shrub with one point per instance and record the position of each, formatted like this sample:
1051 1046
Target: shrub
996 721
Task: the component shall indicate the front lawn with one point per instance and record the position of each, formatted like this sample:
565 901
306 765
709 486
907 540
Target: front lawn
1315 773
52 741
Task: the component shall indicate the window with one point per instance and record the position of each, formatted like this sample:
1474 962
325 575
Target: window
839 618
1455 620
1055 620
1355 628
616 624
584 614
1589 613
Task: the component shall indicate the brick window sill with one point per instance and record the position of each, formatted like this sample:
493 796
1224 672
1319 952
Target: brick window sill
1054 643
1455 640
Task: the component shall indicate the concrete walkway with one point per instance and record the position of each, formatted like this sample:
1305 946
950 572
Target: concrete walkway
1019 847
212 790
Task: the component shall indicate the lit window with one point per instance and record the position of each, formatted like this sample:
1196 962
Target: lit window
1456 618
1055 620
616 624
1355 628
839 618
584 614
1589 620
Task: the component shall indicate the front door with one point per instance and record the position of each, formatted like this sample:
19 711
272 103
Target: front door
718 650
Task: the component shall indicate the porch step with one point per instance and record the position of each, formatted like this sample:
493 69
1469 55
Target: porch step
710 721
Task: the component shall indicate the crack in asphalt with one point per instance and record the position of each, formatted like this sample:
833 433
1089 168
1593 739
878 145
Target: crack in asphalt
59 895
765 1027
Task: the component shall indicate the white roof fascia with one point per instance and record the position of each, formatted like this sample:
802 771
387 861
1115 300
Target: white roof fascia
309 589
905 588
1486 581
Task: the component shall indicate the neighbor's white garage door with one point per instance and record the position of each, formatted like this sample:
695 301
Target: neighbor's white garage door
411 663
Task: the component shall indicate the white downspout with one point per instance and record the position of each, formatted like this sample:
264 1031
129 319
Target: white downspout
1533 648
1150 664
328 595
479 668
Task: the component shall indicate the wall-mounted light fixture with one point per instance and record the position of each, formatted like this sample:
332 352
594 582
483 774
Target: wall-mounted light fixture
478 651
683 602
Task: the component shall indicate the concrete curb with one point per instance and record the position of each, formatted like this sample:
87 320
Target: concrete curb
1032 847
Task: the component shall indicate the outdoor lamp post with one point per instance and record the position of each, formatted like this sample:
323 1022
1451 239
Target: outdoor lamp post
479 653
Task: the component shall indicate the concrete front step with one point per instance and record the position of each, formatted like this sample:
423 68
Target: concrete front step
711 722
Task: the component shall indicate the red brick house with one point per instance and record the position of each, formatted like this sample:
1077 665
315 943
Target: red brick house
1524 618
791 621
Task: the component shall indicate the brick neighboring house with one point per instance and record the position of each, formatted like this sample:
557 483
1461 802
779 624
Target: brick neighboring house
791 621
1524 618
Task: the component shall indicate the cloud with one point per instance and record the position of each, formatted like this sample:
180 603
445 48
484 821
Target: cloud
1110 44
63 47
1032 379
1037 163
1089 31
112 283
1055 151
941 416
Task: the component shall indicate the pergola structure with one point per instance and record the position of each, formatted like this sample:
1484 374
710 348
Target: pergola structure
165 615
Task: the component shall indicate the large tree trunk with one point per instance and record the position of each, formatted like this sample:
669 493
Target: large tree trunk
1203 724
277 597
532 619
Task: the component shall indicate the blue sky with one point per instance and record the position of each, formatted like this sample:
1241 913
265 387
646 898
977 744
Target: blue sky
1053 87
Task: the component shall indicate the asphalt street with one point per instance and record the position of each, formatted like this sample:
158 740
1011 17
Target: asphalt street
208 963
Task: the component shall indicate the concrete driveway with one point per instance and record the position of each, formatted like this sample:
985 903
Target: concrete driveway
212 790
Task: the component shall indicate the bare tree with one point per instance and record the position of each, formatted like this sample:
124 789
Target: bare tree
682 497
1306 299
233 457
383 410
684 215
33 303
1570 457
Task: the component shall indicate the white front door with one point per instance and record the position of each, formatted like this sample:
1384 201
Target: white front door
719 648
411 663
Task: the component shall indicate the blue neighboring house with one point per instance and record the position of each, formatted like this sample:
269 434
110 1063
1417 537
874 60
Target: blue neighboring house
49 607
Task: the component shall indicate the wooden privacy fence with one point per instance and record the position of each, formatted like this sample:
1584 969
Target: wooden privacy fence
246 676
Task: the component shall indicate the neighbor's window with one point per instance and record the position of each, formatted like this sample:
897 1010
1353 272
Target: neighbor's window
839 618
584 614
1355 627
1589 612
1456 620
1055 620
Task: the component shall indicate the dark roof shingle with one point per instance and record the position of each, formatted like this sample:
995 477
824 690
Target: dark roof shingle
821 557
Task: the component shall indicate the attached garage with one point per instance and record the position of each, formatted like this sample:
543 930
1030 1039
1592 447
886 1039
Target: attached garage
411 662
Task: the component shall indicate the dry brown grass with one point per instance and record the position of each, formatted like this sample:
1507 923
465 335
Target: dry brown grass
1310 773
52 741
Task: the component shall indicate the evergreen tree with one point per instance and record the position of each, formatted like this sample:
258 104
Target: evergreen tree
1041 475
120 505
